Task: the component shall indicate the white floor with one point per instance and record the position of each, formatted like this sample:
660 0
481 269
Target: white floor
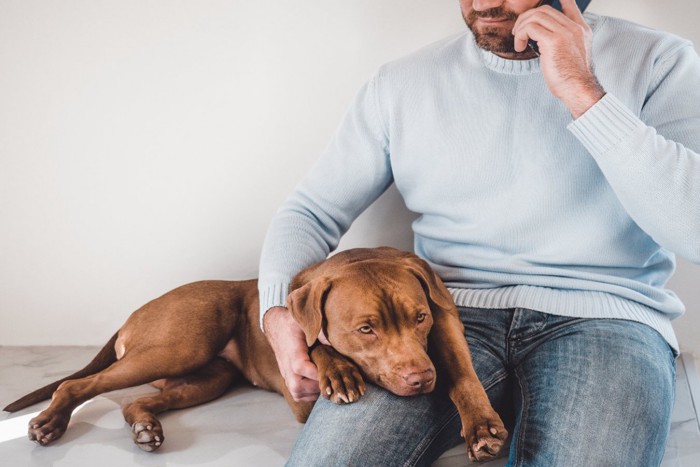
246 427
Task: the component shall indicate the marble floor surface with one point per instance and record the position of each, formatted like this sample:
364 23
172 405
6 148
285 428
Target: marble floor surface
246 427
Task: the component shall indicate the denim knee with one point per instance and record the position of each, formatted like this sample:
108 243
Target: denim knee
599 394
380 429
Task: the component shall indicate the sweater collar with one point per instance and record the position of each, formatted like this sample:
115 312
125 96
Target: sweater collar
507 66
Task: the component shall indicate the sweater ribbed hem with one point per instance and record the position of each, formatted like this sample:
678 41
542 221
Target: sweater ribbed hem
272 296
570 303
604 125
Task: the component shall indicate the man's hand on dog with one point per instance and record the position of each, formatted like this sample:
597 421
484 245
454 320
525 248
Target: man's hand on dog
289 344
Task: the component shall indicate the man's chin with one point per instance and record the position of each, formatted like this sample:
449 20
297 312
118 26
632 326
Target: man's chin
495 44
501 46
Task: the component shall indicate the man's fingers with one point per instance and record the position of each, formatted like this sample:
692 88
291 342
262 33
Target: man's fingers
544 17
536 24
302 389
305 369
550 18
534 31
570 9
301 379
547 24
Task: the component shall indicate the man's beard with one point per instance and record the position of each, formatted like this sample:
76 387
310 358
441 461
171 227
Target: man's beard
493 39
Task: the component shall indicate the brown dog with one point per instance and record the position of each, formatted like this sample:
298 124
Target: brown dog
377 308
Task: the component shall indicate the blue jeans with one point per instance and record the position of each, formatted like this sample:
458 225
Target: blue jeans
572 392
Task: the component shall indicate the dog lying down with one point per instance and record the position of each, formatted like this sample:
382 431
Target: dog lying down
377 307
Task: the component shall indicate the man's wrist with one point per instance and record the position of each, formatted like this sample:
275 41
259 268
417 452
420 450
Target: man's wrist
587 97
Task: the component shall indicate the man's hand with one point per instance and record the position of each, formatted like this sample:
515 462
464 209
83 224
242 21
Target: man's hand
289 344
564 41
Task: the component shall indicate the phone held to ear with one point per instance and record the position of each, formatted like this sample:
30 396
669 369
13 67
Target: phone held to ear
556 4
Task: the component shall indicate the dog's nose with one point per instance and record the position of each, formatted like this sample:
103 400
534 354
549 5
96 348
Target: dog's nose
419 379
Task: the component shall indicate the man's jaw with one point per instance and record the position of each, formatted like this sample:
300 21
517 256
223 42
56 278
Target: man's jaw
492 30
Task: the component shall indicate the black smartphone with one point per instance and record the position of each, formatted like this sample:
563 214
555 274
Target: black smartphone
556 4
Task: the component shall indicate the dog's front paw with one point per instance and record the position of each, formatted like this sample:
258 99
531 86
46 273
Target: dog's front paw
339 379
147 434
342 384
485 436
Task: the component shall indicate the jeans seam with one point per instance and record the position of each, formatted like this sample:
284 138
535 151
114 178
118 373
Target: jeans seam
519 441
518 312
499 376
423 446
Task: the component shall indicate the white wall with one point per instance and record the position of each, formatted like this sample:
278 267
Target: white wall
147 143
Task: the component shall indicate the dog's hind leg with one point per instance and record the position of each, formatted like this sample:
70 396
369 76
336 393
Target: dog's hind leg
134 369
203 385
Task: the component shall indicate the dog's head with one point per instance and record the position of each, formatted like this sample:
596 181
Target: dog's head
375 306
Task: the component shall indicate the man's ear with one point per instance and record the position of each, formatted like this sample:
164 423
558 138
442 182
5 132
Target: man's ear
439 297
307 306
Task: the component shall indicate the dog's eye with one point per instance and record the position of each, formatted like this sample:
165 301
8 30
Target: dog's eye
421 317
366 329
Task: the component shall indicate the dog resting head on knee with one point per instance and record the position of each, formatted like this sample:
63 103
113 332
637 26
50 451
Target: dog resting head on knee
375 307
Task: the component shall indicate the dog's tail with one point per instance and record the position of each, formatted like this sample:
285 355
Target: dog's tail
102 360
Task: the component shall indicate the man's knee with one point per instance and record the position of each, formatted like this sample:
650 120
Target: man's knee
379 429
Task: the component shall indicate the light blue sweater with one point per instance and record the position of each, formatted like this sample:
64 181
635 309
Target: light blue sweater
519 205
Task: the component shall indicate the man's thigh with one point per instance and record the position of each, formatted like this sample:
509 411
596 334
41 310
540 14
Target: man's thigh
594 392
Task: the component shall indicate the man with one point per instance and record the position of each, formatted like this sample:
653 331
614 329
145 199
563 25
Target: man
554 191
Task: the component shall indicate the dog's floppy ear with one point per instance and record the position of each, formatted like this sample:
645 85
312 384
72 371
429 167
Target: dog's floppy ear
306 304
438 295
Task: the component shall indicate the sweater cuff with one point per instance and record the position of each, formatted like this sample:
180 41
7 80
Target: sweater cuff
604 125
271 296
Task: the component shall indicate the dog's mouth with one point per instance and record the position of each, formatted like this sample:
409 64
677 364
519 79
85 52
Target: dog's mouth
404 392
